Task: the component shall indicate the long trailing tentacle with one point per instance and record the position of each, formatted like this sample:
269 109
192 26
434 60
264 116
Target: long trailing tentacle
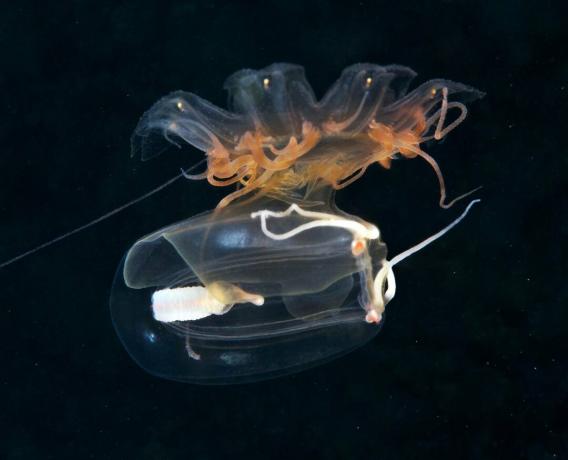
101 218
384 284
403 255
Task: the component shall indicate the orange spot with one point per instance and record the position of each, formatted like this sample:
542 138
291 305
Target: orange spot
357 247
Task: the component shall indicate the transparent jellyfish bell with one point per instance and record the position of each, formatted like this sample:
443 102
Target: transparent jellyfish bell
313 286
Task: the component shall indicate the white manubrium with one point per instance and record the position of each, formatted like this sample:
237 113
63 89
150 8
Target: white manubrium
185 304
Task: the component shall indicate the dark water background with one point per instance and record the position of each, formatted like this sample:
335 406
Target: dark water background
472 360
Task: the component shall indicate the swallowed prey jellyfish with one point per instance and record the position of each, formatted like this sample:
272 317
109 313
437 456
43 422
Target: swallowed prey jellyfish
276 278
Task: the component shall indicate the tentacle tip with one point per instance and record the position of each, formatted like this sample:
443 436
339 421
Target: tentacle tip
459 198
257 300
373 317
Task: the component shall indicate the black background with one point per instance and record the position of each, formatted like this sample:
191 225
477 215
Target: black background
472 359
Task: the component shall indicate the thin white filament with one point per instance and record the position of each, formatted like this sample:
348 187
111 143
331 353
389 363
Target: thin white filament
403 255
99 219
388 264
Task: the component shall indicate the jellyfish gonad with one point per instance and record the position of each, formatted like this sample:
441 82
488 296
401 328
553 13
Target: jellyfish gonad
276 278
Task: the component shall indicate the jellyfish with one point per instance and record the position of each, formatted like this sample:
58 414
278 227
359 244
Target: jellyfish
276 278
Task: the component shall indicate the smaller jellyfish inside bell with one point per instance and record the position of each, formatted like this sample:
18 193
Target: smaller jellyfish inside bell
276 278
